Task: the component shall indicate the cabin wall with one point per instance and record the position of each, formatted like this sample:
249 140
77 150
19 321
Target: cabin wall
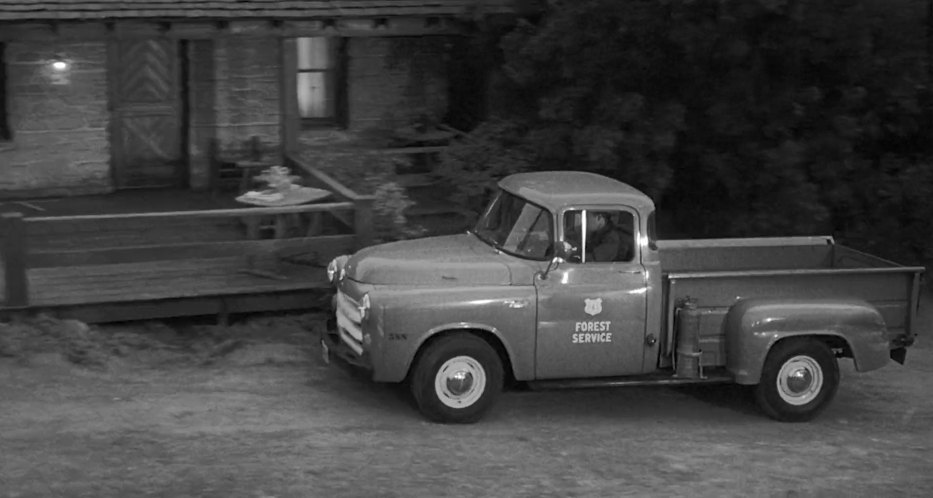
391 82
233 89
234 94
394 80
58 119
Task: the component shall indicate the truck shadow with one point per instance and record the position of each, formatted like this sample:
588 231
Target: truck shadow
721 402
355 387
735 397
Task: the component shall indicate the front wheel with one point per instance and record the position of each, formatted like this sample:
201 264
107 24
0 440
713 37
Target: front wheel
799 379
457 379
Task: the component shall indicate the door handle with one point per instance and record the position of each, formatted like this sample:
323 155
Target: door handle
516 304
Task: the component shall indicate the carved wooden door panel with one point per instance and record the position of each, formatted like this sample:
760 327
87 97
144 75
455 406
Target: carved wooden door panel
147 129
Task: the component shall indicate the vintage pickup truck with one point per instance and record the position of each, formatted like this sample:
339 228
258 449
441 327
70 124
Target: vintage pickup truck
530 295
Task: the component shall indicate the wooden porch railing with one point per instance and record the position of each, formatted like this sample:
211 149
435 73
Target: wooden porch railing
363 204
16 285
349 227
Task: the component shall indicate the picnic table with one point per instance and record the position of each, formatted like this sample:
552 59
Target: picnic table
281 224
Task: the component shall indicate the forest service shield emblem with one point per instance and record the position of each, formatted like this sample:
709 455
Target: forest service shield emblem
593 307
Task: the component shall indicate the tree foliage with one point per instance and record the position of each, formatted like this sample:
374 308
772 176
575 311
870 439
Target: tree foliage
739 117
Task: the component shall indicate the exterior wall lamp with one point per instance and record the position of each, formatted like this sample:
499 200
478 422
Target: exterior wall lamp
59 70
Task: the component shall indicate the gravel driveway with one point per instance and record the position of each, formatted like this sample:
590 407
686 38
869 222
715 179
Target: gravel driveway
251 411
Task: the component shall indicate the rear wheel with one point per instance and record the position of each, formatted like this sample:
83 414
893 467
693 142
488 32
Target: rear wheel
457 379
799 379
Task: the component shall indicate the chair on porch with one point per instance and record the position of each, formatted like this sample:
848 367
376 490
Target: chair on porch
234 169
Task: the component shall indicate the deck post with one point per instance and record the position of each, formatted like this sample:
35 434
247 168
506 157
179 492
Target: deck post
363 220
13 250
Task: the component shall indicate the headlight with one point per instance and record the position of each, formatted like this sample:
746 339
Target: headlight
364 307
331 270
336 267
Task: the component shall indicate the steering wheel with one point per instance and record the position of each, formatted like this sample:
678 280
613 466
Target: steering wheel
574 256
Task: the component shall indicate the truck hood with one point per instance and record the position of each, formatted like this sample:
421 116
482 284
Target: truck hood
446 260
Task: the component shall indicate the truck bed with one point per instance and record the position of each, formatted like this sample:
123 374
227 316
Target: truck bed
719 272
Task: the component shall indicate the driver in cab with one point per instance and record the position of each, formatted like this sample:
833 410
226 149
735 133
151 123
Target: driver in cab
604 242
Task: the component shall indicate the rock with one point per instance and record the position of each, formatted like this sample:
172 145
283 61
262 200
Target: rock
76 326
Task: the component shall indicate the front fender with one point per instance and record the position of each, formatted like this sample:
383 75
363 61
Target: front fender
413 315
754 326
405 363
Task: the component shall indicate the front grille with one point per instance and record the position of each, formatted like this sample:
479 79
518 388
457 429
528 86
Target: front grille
349 324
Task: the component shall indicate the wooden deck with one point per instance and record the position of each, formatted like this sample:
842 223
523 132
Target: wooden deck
157 263
132 291
115 283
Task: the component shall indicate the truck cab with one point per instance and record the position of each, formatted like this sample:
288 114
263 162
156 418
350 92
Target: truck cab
592 302
562 283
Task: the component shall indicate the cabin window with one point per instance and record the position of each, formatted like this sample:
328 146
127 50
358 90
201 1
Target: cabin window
320 80
5 133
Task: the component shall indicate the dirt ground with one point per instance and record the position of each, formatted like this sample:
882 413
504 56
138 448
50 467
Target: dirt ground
182 409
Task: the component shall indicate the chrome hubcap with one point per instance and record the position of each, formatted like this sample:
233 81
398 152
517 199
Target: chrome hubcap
800 380
460 382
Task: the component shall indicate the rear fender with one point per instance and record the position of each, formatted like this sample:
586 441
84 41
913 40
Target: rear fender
754 326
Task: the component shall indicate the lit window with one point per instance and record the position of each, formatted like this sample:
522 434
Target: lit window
317 78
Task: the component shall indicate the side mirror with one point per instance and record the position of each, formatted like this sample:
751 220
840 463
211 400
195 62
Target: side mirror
562 251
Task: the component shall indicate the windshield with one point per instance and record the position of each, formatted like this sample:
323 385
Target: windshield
516 226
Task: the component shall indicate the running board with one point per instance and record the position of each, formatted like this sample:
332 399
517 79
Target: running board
640 380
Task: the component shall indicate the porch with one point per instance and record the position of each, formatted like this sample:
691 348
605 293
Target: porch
149 254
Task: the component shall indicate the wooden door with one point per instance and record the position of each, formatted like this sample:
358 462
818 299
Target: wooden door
147 126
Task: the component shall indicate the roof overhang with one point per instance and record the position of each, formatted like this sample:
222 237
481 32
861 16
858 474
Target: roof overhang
194 19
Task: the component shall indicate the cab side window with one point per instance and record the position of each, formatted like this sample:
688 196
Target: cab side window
600 236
